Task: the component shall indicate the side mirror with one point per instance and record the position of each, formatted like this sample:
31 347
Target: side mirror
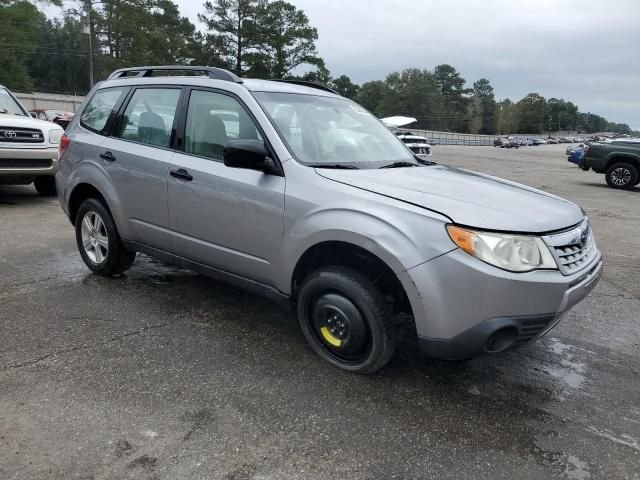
251 154
34 114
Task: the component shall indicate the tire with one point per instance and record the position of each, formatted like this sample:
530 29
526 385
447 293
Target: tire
346 320
46 186
622 175
104 254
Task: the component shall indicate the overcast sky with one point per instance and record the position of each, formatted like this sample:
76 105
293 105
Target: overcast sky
586 51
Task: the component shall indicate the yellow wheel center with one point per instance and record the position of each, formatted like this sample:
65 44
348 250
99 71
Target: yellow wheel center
336 342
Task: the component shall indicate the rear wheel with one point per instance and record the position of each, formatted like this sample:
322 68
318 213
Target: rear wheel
622 175
98 240
346 320
46 186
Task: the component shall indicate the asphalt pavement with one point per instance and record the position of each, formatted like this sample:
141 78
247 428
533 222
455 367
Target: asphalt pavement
165 374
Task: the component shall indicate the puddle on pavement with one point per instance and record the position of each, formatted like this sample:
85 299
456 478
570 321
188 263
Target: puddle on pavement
569 371
559 463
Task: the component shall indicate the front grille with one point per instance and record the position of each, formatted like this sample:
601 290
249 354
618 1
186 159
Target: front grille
20 135
25 163
421 150
573 250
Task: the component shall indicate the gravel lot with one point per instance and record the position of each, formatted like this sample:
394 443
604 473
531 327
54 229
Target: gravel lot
165 374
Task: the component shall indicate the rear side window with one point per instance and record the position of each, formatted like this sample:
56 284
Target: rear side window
213 119
101 106
149 116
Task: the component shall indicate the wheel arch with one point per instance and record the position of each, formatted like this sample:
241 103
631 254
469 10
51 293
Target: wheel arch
622 158
91 181
79 194
346 254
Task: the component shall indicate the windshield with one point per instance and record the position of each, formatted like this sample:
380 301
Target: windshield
327 131
8 104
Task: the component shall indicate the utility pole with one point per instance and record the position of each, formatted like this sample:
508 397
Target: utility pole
499 116
90 32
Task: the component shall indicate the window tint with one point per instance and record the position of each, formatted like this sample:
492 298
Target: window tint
149 116
99 108
213 119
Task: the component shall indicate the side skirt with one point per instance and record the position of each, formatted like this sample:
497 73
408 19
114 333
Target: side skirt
262 289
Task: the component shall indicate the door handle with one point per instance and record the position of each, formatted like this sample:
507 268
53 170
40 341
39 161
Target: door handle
108 156
182 174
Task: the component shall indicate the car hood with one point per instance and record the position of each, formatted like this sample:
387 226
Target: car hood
467 198
18 121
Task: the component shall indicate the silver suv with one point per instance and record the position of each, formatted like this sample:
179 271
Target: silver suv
297 193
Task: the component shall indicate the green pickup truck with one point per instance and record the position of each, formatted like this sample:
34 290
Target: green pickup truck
619 160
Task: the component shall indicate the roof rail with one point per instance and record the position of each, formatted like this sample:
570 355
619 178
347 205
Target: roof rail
147 71
305 83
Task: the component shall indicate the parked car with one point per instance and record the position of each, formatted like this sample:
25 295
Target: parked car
507 143
28 146
56 116
618 159
498 142
553 141
571 149
575 154
418 145
363 234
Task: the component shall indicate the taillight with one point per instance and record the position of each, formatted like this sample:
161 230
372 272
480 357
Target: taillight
585 149
64 143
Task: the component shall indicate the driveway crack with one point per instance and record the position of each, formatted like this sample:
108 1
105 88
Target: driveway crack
77 348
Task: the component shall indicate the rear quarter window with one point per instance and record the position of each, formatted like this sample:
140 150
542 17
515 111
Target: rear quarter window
101 108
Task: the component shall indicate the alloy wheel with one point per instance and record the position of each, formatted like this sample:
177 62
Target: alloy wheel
620 176
95 240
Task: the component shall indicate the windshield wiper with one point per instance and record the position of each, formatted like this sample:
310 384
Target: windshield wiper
400 164
336 166
425 162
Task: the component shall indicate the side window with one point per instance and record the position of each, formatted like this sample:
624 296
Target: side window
100 107
213 119
42 116
149 115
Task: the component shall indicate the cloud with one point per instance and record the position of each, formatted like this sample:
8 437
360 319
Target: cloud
585 51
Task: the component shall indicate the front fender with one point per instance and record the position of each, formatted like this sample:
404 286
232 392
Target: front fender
401 239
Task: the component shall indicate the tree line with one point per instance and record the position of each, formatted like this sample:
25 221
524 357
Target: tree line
253 38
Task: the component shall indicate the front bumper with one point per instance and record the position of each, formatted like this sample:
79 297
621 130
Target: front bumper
464 307
28 161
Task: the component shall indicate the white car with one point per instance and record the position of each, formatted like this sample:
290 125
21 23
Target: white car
418 145
28 146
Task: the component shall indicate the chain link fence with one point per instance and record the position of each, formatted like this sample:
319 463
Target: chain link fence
448 138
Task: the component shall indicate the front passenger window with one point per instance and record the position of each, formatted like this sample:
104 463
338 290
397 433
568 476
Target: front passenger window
149 116
213 119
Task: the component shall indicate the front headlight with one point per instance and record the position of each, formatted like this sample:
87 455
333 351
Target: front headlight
55 136
516 253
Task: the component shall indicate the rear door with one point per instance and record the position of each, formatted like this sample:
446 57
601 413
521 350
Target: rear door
137 156
228 218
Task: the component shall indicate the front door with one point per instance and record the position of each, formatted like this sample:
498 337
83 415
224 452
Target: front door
227 218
